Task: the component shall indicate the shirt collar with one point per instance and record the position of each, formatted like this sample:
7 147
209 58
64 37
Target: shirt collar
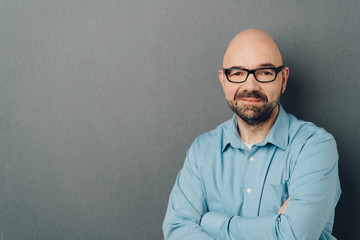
231 135
277 136
279 132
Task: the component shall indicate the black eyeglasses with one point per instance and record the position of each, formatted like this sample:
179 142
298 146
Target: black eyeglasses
263 75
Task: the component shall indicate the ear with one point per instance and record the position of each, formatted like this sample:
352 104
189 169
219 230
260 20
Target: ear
285 76
222 77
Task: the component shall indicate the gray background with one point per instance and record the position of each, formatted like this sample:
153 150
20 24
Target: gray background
99 101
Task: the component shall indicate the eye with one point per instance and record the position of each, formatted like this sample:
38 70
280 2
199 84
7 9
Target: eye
266 72
236 72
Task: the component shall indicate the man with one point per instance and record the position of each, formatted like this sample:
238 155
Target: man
263 174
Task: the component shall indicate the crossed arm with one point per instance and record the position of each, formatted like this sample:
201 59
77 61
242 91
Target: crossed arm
283 207
314 191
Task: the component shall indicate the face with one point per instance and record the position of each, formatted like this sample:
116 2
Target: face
253 102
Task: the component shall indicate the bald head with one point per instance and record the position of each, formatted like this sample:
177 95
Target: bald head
252 47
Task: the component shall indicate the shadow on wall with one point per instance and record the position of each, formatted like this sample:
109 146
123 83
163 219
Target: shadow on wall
296 100
294 92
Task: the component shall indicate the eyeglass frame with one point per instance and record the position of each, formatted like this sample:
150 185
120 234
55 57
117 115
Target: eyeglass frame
252 71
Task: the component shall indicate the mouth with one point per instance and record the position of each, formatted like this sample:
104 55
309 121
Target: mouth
251 97
251 100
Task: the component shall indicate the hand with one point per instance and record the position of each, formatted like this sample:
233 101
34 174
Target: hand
282 209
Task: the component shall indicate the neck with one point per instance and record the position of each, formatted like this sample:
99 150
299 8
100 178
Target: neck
257 133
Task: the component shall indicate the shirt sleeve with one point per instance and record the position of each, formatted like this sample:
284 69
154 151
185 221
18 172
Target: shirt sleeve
314 191
186 204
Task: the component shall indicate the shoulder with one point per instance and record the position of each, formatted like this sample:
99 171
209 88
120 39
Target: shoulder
212 141
216 135
302 132
310 143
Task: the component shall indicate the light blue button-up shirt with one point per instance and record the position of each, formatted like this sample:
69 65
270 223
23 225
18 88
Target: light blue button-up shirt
228 191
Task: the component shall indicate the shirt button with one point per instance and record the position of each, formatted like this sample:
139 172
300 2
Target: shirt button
252 159
248 190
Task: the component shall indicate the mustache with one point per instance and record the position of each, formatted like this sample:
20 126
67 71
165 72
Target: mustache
253 94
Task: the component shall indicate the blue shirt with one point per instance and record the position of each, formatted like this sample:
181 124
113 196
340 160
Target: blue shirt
227 191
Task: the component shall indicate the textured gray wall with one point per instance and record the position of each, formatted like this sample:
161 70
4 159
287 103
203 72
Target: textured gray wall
99 101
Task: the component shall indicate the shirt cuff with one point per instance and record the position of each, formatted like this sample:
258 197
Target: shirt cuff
213 222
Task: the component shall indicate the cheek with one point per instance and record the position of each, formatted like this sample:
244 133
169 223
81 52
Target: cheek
230 95
274 94
230 92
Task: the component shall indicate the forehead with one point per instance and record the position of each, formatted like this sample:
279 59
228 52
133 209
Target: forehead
252 53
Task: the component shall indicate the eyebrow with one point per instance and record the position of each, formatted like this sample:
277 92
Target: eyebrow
267 65
263 65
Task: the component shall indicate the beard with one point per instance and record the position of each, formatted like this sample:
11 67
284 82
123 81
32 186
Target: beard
253 114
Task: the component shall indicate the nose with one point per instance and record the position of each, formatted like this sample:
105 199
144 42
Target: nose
250 84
